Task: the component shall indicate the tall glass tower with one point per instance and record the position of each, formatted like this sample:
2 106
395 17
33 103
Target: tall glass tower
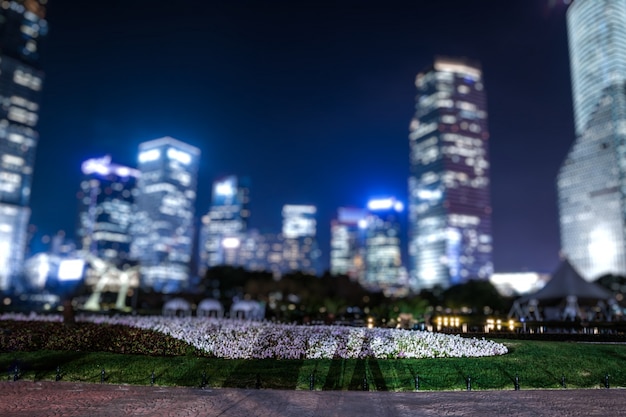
22 26
591 182
383 260
163 230
300 251
224 227
449 192
347 242
106 208
597 47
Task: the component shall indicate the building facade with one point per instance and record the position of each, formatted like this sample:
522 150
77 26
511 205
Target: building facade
225 225
164 224
591 182
383 256
106 206
347 243
299 244
597 47
449 191
262 252
22 26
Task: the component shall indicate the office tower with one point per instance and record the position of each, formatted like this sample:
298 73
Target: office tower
22 26
347 242
300 252
106 208
383 260
163 230
591 182
449 198
262 253
224 226
597 47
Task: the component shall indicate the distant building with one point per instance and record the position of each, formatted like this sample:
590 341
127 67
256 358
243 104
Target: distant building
347 242
300 251
449 193
591 182
262 252
106 209
225 225
22 26
383 257
164 226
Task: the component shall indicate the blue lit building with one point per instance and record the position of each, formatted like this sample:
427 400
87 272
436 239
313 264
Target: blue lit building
299 245
347 242
106 209
591 182
164 224
383 258
449 194
22 26
225 225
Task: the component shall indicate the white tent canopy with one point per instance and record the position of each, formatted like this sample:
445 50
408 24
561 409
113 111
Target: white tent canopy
177 307
567 296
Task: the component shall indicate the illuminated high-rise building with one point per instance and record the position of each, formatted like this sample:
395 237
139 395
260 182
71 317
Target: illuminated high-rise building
22 26
383 259
449 193
347 242
597 47
262 252
106 209
224 227
164 223
591 182
300 252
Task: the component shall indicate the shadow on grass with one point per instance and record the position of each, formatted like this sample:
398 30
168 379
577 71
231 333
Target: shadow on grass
42 365
334 376
377 375
264 373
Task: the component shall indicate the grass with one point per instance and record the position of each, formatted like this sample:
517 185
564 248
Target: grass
38 349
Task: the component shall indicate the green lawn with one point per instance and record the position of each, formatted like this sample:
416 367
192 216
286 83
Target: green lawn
536 364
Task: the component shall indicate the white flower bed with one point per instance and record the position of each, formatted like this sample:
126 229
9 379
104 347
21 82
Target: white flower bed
238 339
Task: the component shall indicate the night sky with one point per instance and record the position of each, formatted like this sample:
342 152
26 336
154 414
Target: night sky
310 99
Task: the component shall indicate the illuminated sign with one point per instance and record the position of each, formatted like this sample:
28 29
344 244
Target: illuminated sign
151 155
385 204
225 188
231 243
71 269
103 166
430 195
180 156
299 221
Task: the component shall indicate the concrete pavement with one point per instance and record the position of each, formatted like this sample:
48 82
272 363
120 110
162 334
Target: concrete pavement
46 398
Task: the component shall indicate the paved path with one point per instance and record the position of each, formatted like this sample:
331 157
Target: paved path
37 399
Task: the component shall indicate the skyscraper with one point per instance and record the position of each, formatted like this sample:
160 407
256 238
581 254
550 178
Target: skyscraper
591 182
224 226
597 47
449 192
300 252
347 242
164 225
383 259
22 26
106 208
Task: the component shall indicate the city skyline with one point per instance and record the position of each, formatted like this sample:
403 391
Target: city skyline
309 119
